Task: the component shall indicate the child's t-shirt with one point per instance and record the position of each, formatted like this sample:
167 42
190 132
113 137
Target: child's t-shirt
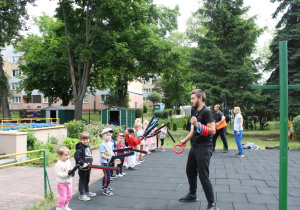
120 145
107 149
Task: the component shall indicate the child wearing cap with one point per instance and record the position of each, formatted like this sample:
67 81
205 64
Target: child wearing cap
106 152
120 145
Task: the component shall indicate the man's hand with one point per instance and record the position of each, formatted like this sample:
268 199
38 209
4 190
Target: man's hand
182 142
194 121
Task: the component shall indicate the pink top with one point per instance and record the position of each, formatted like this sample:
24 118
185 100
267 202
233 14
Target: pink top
120 145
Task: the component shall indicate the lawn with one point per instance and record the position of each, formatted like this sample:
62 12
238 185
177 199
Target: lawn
262 138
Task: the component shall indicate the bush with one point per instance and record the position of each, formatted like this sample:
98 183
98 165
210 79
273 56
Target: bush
161 114
178 112
169 126
184 124
70 142
296 127
174 127
170 112
138 112
31 139
75 128
145 107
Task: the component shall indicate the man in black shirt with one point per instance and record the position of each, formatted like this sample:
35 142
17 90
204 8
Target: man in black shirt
219 118
202 128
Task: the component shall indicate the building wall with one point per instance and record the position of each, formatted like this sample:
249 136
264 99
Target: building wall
90 103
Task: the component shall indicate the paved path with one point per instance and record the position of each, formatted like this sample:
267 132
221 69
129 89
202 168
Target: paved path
21 186
249 183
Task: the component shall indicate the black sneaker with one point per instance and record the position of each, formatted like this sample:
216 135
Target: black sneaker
188 198
131 168
212 207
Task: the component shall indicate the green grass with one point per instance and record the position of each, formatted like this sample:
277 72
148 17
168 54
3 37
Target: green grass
14 114
47 203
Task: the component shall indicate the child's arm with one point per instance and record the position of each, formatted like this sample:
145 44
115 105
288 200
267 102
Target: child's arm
105 156
78 156
60 171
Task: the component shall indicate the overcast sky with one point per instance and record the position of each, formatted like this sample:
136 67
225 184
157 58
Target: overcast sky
262 8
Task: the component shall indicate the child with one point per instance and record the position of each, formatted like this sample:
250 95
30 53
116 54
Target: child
83 156
106 153
148 140
132 142
162 136
138 132
64 182
114 146
120 145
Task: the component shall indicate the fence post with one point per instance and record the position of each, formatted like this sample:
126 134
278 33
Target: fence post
45 172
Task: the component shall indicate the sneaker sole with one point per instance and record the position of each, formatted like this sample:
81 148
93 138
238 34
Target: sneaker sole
91 195
84 199
189 200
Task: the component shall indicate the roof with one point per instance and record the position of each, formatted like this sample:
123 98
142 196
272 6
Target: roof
58 108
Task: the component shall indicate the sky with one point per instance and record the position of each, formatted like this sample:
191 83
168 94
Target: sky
262 8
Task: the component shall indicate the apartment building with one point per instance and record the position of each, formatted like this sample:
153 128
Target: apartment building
148 87
19 101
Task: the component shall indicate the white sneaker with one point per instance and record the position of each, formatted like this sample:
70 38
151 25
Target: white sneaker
66 208
84 198
137 163
123 174
119 175
57 208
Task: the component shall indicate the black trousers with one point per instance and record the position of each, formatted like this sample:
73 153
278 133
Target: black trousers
198 161
120 166
220 132
84 179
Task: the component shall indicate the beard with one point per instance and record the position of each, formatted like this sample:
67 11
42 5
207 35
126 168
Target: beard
196 105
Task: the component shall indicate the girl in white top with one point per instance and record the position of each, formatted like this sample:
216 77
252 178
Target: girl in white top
238 130
64 181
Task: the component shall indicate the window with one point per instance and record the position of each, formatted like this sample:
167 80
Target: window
145 99
147 90
45 100
15 72
26 100
136 105
15 59
14 86
146 82
15 100
86 99
103 98
36 99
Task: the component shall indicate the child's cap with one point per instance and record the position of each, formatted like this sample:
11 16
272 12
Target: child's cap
120 134
106 130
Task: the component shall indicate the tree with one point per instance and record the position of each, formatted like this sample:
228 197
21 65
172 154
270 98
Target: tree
222 63
45 65
112 41
288 30
173 84
12 20
154 97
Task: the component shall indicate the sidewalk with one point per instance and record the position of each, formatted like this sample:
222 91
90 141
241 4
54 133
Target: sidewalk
22 186
250 183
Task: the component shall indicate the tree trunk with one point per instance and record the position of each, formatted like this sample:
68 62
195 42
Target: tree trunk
122 92
4 92
78 109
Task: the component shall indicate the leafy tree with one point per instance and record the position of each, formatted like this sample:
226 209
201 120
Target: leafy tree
173 84
288 30
154 97
113 41
222 63
112 99
12 20
45 64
